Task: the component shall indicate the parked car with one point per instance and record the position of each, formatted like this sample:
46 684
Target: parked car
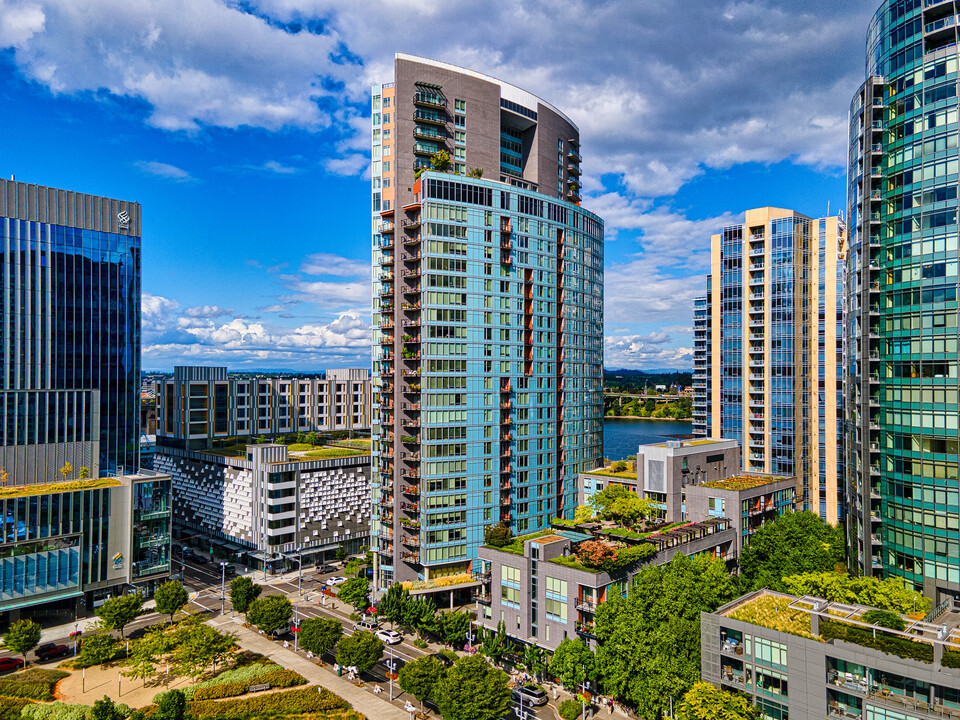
389 637
324 569
199 559
230 570
447 662
9 664
366 626
530 694
49 651
334 581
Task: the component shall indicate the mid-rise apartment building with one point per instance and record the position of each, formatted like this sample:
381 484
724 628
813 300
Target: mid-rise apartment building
199 405
79 521
903 395
488 317
774 328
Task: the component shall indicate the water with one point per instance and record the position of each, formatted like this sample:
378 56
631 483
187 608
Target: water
621 437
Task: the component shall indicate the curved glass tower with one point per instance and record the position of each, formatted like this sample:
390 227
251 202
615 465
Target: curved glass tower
901 333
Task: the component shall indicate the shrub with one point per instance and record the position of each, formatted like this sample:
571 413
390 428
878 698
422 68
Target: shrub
497 535
291 702
55 711
420 643
218 692
885 618
891 644
11 708
32 684
570 709
609 558
355 617
951 659
450 655
249 674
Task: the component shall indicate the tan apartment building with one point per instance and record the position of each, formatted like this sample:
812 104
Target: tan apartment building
771 340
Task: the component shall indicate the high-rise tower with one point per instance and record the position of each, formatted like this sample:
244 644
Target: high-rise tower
901 334
768 350
488 316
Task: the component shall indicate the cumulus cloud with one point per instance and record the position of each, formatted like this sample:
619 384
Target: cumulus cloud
163 170
206 311
331 264
645 352
19 22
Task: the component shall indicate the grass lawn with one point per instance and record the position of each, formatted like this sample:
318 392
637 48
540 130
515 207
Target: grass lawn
326 453
606 472
70 485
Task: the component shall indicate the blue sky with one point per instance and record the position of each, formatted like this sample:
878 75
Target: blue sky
242 128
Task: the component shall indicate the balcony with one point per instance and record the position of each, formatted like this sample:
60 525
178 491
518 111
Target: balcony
411 224
429 133
573 169
426 150
574 155
425 99
430 117
386 260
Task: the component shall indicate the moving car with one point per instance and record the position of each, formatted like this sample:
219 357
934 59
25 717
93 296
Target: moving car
197 559
9 664
366 626
334 581
324 569
530 695
389 637
49 651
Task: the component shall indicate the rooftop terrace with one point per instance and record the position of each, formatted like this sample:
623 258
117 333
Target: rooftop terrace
743 482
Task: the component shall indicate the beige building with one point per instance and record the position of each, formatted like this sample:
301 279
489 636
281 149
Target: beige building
772 334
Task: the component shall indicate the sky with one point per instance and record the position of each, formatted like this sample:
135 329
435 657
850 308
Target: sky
242 127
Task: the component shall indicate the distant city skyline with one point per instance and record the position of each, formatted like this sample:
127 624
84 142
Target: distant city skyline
253 165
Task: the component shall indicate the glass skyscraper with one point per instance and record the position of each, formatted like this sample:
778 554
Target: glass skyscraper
488 316
902 404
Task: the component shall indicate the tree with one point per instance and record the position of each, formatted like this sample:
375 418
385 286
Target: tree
705 702
619 466
420 614
583 513
171 597
157 642
495 644
475 173
99 648
106 710
888 594
649 642
421 678
454 628
362 650
341 553
472 690
84 473
393 603
319 635
440 161
497 535
243 591
572 663
22 637
534 660
199 646
356 592
171 705
270 613
792 544
604 500
117 612
312 438
66 471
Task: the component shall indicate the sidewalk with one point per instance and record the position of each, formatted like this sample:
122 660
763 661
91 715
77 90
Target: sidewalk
362 700
62 632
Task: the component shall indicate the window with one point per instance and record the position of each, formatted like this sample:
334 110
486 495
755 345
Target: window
386 102
556 605
460 121
460 153
510 586
460 137
460 106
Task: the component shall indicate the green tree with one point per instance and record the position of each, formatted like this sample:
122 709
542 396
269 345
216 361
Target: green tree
495 644
243 591
454 628
362 650
534 660
312 438
619 466
199 646
22 637
421 678
472 690
583 513
497 535
106 710
66 471
118 612
171 705
341 553
393 603
604 500
97 649
270 613
84 473
171 596
319 635
792 544
420 614
572 663
705 702
440 161
157 642
356 592
650 641
888 594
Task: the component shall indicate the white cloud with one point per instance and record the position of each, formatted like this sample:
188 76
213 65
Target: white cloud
19 22
645 351
206 311
330 264
163 170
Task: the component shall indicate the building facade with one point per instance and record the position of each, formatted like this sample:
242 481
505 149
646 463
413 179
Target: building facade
701 372
774 323
269 504
200 405
903 398
799 658
488 317
80 523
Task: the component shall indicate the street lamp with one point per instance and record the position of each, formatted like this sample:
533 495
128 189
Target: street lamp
393 666
470 634
223 583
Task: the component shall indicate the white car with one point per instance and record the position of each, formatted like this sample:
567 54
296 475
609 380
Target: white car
389 637
332 582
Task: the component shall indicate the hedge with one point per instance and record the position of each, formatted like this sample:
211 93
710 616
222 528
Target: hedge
248 674
312 699
951 658
570 709
11 707
55 711
275 679
891 644
33 684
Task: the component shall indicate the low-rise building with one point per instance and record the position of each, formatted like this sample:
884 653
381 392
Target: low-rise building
267 503
807 657
542 591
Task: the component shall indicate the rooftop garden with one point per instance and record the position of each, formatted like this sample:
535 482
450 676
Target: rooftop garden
773 612
57 487
743 482
598 555
494 538
619 469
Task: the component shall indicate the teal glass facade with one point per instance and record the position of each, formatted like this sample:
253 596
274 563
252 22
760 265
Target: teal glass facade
902 404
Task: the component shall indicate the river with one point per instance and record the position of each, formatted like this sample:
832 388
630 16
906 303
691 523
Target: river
621 437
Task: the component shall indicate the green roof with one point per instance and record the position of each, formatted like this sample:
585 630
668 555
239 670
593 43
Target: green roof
57 487
743 482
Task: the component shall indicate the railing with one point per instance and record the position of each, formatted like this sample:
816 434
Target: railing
946 604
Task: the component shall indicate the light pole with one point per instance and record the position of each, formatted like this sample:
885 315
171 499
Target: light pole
470 635
584 688
223 584
392 665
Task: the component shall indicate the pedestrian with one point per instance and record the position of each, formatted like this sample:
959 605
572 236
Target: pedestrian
286 644
337 668
377 690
